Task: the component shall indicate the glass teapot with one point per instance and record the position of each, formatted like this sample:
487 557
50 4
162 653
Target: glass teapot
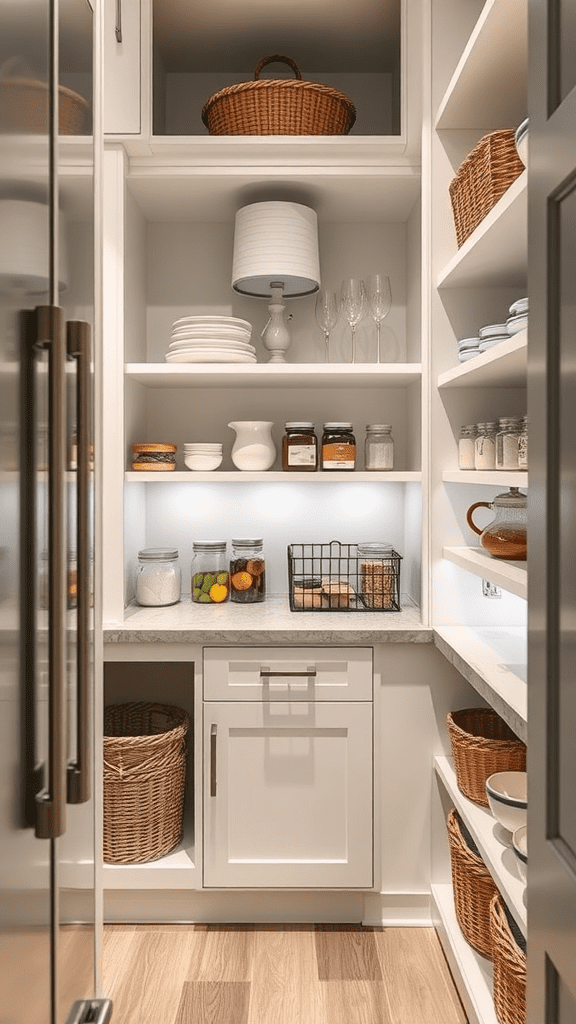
505 537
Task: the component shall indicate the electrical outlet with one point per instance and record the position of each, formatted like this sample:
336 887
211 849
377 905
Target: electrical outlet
490 589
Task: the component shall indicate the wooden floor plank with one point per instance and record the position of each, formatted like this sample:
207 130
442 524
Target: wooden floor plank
116 953
222 952
346 953
355 1002
285 985
419 985
149 988
214 1002
76 956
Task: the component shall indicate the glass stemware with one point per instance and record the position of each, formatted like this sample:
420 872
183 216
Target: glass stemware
379 302
326 316
353 306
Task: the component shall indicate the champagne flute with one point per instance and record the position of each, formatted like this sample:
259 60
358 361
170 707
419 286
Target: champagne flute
326 316
353 306
379 301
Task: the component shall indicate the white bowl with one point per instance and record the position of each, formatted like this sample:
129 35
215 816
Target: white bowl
520 847
507 796
205 463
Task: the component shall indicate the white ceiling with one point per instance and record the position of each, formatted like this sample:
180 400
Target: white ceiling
320 35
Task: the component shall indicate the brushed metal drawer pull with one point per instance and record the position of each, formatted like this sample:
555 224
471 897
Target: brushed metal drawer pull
264 674
213 731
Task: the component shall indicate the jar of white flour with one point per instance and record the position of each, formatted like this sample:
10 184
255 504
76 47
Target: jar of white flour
158 577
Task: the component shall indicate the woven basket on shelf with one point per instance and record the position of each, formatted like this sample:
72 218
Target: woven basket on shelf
144 779
482 744
481 180
473 886
509 961
24 107
278 106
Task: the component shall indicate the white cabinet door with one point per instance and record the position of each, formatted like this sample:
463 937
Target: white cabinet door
122 58
288 795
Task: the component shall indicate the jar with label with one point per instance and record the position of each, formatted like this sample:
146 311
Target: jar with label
485 445
338 447
523 444
300 448
379 447
210 576
467 447
71 581
378 575
247 572
507 443
158 577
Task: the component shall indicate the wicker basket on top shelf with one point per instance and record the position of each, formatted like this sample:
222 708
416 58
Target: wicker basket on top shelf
482 744
509 961
278 106
482 179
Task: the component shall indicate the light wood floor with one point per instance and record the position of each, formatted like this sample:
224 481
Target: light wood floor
277 974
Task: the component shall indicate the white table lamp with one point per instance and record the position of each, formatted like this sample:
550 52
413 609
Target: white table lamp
276 257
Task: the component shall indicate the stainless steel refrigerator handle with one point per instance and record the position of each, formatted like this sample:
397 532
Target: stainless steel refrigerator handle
264 674
78 773
118 29
51 803
213 733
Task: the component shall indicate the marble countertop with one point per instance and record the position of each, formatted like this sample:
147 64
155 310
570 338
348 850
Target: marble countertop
269 622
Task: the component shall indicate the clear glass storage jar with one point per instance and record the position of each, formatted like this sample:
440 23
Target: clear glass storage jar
507 440
379 447
377 583
485 445
210 576
299 448
247 571
467 446
158 578
523 444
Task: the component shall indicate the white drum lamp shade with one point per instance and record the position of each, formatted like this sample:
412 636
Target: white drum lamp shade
24 242
276 243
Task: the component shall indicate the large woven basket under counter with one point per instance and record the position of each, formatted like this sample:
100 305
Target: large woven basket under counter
482 179
509 963
144 780
473 886
482 744
279 106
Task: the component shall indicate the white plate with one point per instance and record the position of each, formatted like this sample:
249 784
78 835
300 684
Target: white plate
469 354
237 346
209 331
517 324
492 331
209 356
490 342
225 321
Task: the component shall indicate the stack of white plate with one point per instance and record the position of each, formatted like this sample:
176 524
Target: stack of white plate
518 319
211 339
492 335
468 348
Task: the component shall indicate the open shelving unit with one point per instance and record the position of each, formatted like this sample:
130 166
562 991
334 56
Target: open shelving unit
287 375
509 575
504 365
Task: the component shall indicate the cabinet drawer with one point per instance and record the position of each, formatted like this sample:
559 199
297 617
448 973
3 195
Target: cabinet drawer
288 673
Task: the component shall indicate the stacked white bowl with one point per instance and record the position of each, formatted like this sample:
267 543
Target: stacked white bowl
468 348
518 319
492 335
202 456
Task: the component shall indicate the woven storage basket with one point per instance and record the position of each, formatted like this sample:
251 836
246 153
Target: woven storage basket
24 107
482 744
509 960
144 779
278 106
484 176
473 886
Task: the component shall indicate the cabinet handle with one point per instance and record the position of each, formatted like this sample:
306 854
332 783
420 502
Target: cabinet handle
265 674
213 731
118 29
78 775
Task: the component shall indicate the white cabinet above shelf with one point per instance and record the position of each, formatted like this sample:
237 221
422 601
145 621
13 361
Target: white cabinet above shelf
511 576
496 251
491 478
503 366
276 375
488 88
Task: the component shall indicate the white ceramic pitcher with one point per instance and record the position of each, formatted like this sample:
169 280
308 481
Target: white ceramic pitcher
253 449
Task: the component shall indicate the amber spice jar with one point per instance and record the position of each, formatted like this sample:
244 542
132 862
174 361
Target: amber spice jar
299 448
338 447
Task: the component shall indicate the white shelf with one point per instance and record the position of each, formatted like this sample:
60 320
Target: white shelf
492 478
488 88
274 476
493 659
509 575
496 252
174 871
472 973
504 366
266 375
493 842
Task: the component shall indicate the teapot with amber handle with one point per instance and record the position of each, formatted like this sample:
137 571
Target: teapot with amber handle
505 536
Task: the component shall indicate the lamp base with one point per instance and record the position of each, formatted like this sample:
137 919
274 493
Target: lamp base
276 336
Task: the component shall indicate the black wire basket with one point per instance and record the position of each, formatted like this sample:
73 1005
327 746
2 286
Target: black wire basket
338 577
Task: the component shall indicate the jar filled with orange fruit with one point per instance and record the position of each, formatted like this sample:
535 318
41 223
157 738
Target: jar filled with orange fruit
210 583
247 571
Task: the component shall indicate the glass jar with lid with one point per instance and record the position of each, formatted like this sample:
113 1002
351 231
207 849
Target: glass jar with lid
158 577
485 445
507 440
300 448
71 580
467 446
523 444
379 447
379 575
338 447
210 577
247 571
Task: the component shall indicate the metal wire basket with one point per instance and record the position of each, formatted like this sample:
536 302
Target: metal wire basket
340 577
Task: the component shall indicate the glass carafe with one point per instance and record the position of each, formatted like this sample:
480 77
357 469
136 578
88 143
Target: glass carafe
505 537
